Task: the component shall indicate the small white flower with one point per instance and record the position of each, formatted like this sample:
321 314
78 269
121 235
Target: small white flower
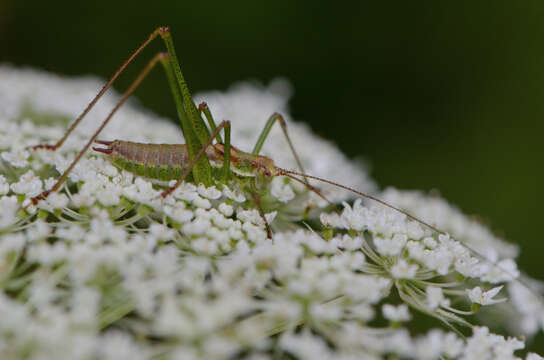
305 345
476 295
366 288
161 232
203 245
282 190
11 242
4 186
8 214
210 192
39 230
396 313
196 227
226 209
430 243
233 195
81 199
452 346
435 297
108 195
404 270
325 312
17 158
430 346
504 270
363 312
57 200
356 261
468 266
249 216
71 232
391 247
253 232
331 220
356 217
49 182
221 221
178 213
347 242
48 255
416 250
118 345
201 202
28 184
439 259
270 217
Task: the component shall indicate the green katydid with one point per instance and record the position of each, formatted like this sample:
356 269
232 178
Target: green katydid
222 162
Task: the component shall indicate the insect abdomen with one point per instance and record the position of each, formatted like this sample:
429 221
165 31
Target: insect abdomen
158 161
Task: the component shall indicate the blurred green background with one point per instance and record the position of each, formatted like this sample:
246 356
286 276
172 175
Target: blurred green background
435 95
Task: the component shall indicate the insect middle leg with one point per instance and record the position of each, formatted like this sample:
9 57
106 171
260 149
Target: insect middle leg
264 134
259 144
257 200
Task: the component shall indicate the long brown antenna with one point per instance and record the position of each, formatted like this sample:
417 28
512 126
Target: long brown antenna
368 196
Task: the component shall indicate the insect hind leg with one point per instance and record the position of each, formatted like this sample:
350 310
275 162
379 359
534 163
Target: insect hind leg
126 95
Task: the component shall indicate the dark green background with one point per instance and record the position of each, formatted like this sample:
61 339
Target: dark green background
435 95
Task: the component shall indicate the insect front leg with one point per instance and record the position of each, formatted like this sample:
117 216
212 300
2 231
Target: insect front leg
264 134
259 144
203 108
126 95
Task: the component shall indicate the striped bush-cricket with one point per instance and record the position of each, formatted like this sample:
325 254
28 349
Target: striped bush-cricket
200 159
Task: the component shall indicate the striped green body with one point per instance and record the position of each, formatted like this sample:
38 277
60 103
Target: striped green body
168 161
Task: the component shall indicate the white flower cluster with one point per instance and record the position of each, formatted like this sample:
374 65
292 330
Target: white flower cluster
106 269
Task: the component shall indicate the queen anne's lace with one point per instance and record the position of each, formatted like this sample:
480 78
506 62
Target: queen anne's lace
105 269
